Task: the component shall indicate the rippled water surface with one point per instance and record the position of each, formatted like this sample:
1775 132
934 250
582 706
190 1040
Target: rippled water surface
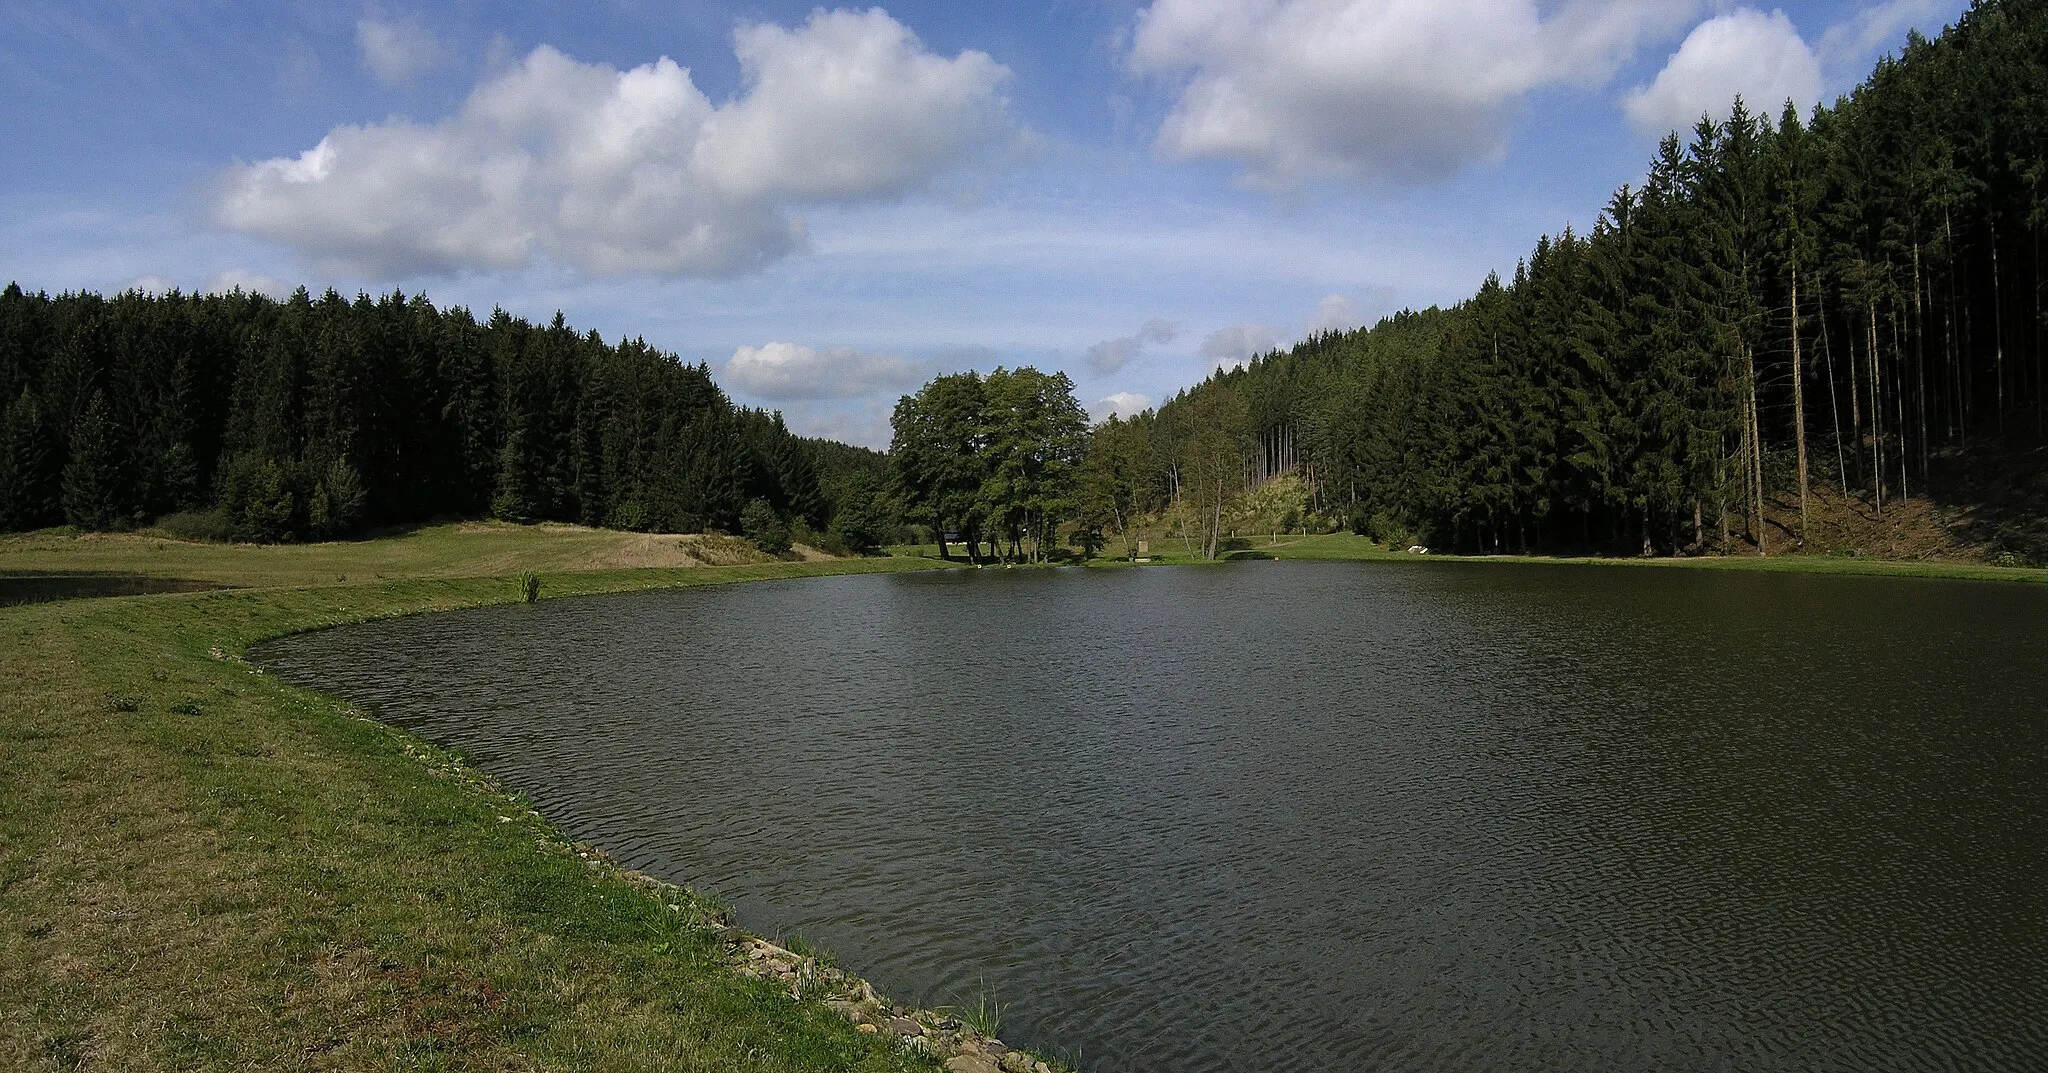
1318 816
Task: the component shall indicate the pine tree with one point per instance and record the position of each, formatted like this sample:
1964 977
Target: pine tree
27 466
92 475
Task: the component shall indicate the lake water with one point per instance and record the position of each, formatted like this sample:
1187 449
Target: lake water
1281 816
37 588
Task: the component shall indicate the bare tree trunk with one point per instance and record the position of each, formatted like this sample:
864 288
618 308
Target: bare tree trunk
1899 403
1215 522
1756 451
1855 398
1876 415
1827 358
1920 354
1998 327
1799 404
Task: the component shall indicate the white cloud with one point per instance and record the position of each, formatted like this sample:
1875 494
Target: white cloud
785 371
237 279
615 171
1238 344
1335 313
1880 26
397 52
150 284
1375 91
1746 52
1121 404
863 422
1111 355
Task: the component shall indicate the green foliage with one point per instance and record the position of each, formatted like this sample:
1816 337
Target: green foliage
760 524
268 506
92 477
375 411
203 526
937 451
995 458
1275 507
529 586
27 466
1854 298
335 507
866 518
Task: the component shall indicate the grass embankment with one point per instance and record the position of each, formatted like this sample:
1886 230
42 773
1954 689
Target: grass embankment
1346 547
203 868
468 549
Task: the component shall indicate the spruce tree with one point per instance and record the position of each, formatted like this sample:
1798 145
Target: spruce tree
92 475
27 464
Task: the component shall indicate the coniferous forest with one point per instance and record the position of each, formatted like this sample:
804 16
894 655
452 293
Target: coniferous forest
1840 311
1849 300
238 416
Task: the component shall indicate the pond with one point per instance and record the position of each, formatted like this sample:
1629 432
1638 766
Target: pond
1278 816
37 588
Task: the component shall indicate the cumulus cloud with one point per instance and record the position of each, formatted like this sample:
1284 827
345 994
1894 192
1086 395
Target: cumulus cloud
861 422
397 51
1335 313
1111 355
1876 27
1374 91
1121 404
787 371
150 284
237 279
1746 52
615 171
1238 344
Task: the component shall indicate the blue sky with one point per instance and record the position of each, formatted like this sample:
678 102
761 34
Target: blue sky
830 205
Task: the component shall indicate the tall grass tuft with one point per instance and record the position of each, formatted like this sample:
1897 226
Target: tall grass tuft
529 583
985 1016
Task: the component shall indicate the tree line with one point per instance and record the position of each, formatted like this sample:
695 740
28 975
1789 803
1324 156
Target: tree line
239 416
1852 298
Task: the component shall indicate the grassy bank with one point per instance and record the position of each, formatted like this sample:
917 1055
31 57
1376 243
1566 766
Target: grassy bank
1345 547
202 868
467 549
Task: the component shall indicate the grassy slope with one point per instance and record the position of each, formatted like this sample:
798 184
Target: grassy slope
202 868
1344 547
478 549
1347 546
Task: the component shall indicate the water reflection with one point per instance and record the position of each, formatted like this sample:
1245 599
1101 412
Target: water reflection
36 588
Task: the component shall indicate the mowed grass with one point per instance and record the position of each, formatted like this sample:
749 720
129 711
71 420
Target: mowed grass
468 549
202 868
1347 547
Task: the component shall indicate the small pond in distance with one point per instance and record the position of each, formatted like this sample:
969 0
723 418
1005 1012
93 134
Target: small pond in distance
37 588
1279 816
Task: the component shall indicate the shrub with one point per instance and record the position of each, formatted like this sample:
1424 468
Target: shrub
630 514
830 541
202 526
336 505
765 528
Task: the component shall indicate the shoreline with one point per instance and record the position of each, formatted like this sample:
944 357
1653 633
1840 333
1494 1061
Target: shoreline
1344 547
204 867
260 841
